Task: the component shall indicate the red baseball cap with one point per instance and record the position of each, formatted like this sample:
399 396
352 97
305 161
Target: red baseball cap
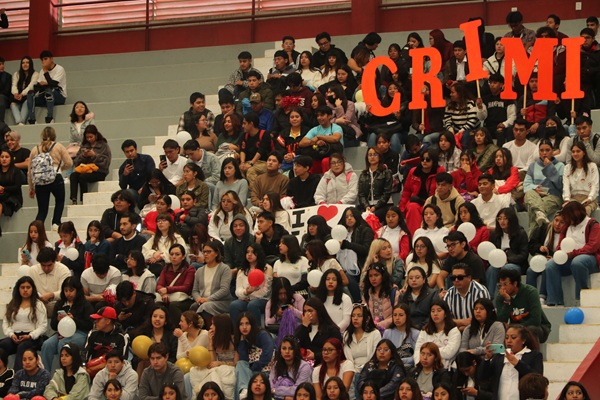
105 312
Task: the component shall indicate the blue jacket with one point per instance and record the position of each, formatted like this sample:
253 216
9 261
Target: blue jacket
549 177
264 341
143 165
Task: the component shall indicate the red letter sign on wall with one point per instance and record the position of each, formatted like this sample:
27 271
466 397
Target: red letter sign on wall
370 91
419 78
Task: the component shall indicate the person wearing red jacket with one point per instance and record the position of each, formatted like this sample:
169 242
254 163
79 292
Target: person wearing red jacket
504 173
583 260
465 178
467 212
418 186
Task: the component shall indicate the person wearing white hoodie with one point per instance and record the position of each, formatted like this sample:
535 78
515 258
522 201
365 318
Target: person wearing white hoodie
116 368
339 185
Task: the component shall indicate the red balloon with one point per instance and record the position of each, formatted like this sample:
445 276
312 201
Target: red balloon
37 398
13 397
256 277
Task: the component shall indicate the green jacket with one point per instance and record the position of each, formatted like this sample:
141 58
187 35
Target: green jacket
56 387
525 308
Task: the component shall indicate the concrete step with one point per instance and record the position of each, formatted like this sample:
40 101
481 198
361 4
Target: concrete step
9 269
555 388
586 333
559 371
98 198
591 297
562 351
85 210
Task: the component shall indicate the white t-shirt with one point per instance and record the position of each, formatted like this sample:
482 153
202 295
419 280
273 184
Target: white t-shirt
488 210
340 314
522 156
345 366
209 274
293 272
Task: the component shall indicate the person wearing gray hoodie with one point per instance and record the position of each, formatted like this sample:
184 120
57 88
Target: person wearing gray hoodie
235 246
116 368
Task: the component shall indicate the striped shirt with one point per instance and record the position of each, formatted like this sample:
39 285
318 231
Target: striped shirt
456 120
462 307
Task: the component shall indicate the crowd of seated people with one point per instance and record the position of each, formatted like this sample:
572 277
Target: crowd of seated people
172 259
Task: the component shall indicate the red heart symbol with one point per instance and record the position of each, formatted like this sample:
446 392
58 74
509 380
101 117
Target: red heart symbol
327 212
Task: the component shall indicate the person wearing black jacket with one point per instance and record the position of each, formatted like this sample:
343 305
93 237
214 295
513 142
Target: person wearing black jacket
269 235
73 304
106 336
156 186
3 24
123 202
467 365
303 186
522 355
517 252
385 368
129 241
133 307
355 248
315 316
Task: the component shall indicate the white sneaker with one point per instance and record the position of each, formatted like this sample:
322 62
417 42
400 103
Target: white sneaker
66 180
540 218
54 228
542 301
20 124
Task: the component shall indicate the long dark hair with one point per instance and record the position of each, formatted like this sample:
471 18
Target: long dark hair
308 386
584 161
275 202
254 330
407 296
96 224
236 166
278 284
238 207
368 325
72 283
529 339
268 395
12 308
280 368
42 238
431 257
325 320
414 387
211 386
563 393
513 223
173 387
489 319
323 229
573 213
339 288
402 223
386 281
73 350
357 216
74 116
223 331
94 131
148 327
261 259
408 325
464 96
341 357
170 233
12 171
435 161
449 138
449 323
375 386
343 392
236 126
25 76
439 222
560 132
318 253
503 174
395 355
475 218
294 251
339 93
140 263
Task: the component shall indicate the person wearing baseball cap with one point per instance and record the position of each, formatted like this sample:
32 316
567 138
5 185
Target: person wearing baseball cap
106 336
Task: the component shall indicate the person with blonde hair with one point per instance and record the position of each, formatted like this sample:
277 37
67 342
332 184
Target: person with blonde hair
42 185
381 251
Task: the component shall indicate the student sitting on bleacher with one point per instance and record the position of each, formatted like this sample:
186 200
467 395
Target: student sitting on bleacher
255 85
81 118
580 179
197 107
238 80
50 89
91 164
22 82
18 154
135 170
583 260
11 179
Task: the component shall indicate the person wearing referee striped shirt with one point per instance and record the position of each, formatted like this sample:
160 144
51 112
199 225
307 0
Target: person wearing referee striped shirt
463 294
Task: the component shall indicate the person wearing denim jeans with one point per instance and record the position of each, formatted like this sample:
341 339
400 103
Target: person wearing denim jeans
50 89
583 260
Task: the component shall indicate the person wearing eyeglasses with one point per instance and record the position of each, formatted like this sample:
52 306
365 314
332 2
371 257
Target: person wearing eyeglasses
418 186
339 185
462 295
460 252
334 360
385 368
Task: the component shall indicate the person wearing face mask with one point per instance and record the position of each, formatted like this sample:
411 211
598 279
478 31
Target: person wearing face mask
554 131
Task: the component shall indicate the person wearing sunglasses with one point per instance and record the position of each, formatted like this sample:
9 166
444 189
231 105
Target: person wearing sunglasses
460 252
419 185
462 295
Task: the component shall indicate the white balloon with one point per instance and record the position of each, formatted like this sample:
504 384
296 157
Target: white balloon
567 245
66 327
468 229
182 137
538 263
497 258
333 246
440 245
560 257
484 249
339 232
23 270
314 278
72 254
175 203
